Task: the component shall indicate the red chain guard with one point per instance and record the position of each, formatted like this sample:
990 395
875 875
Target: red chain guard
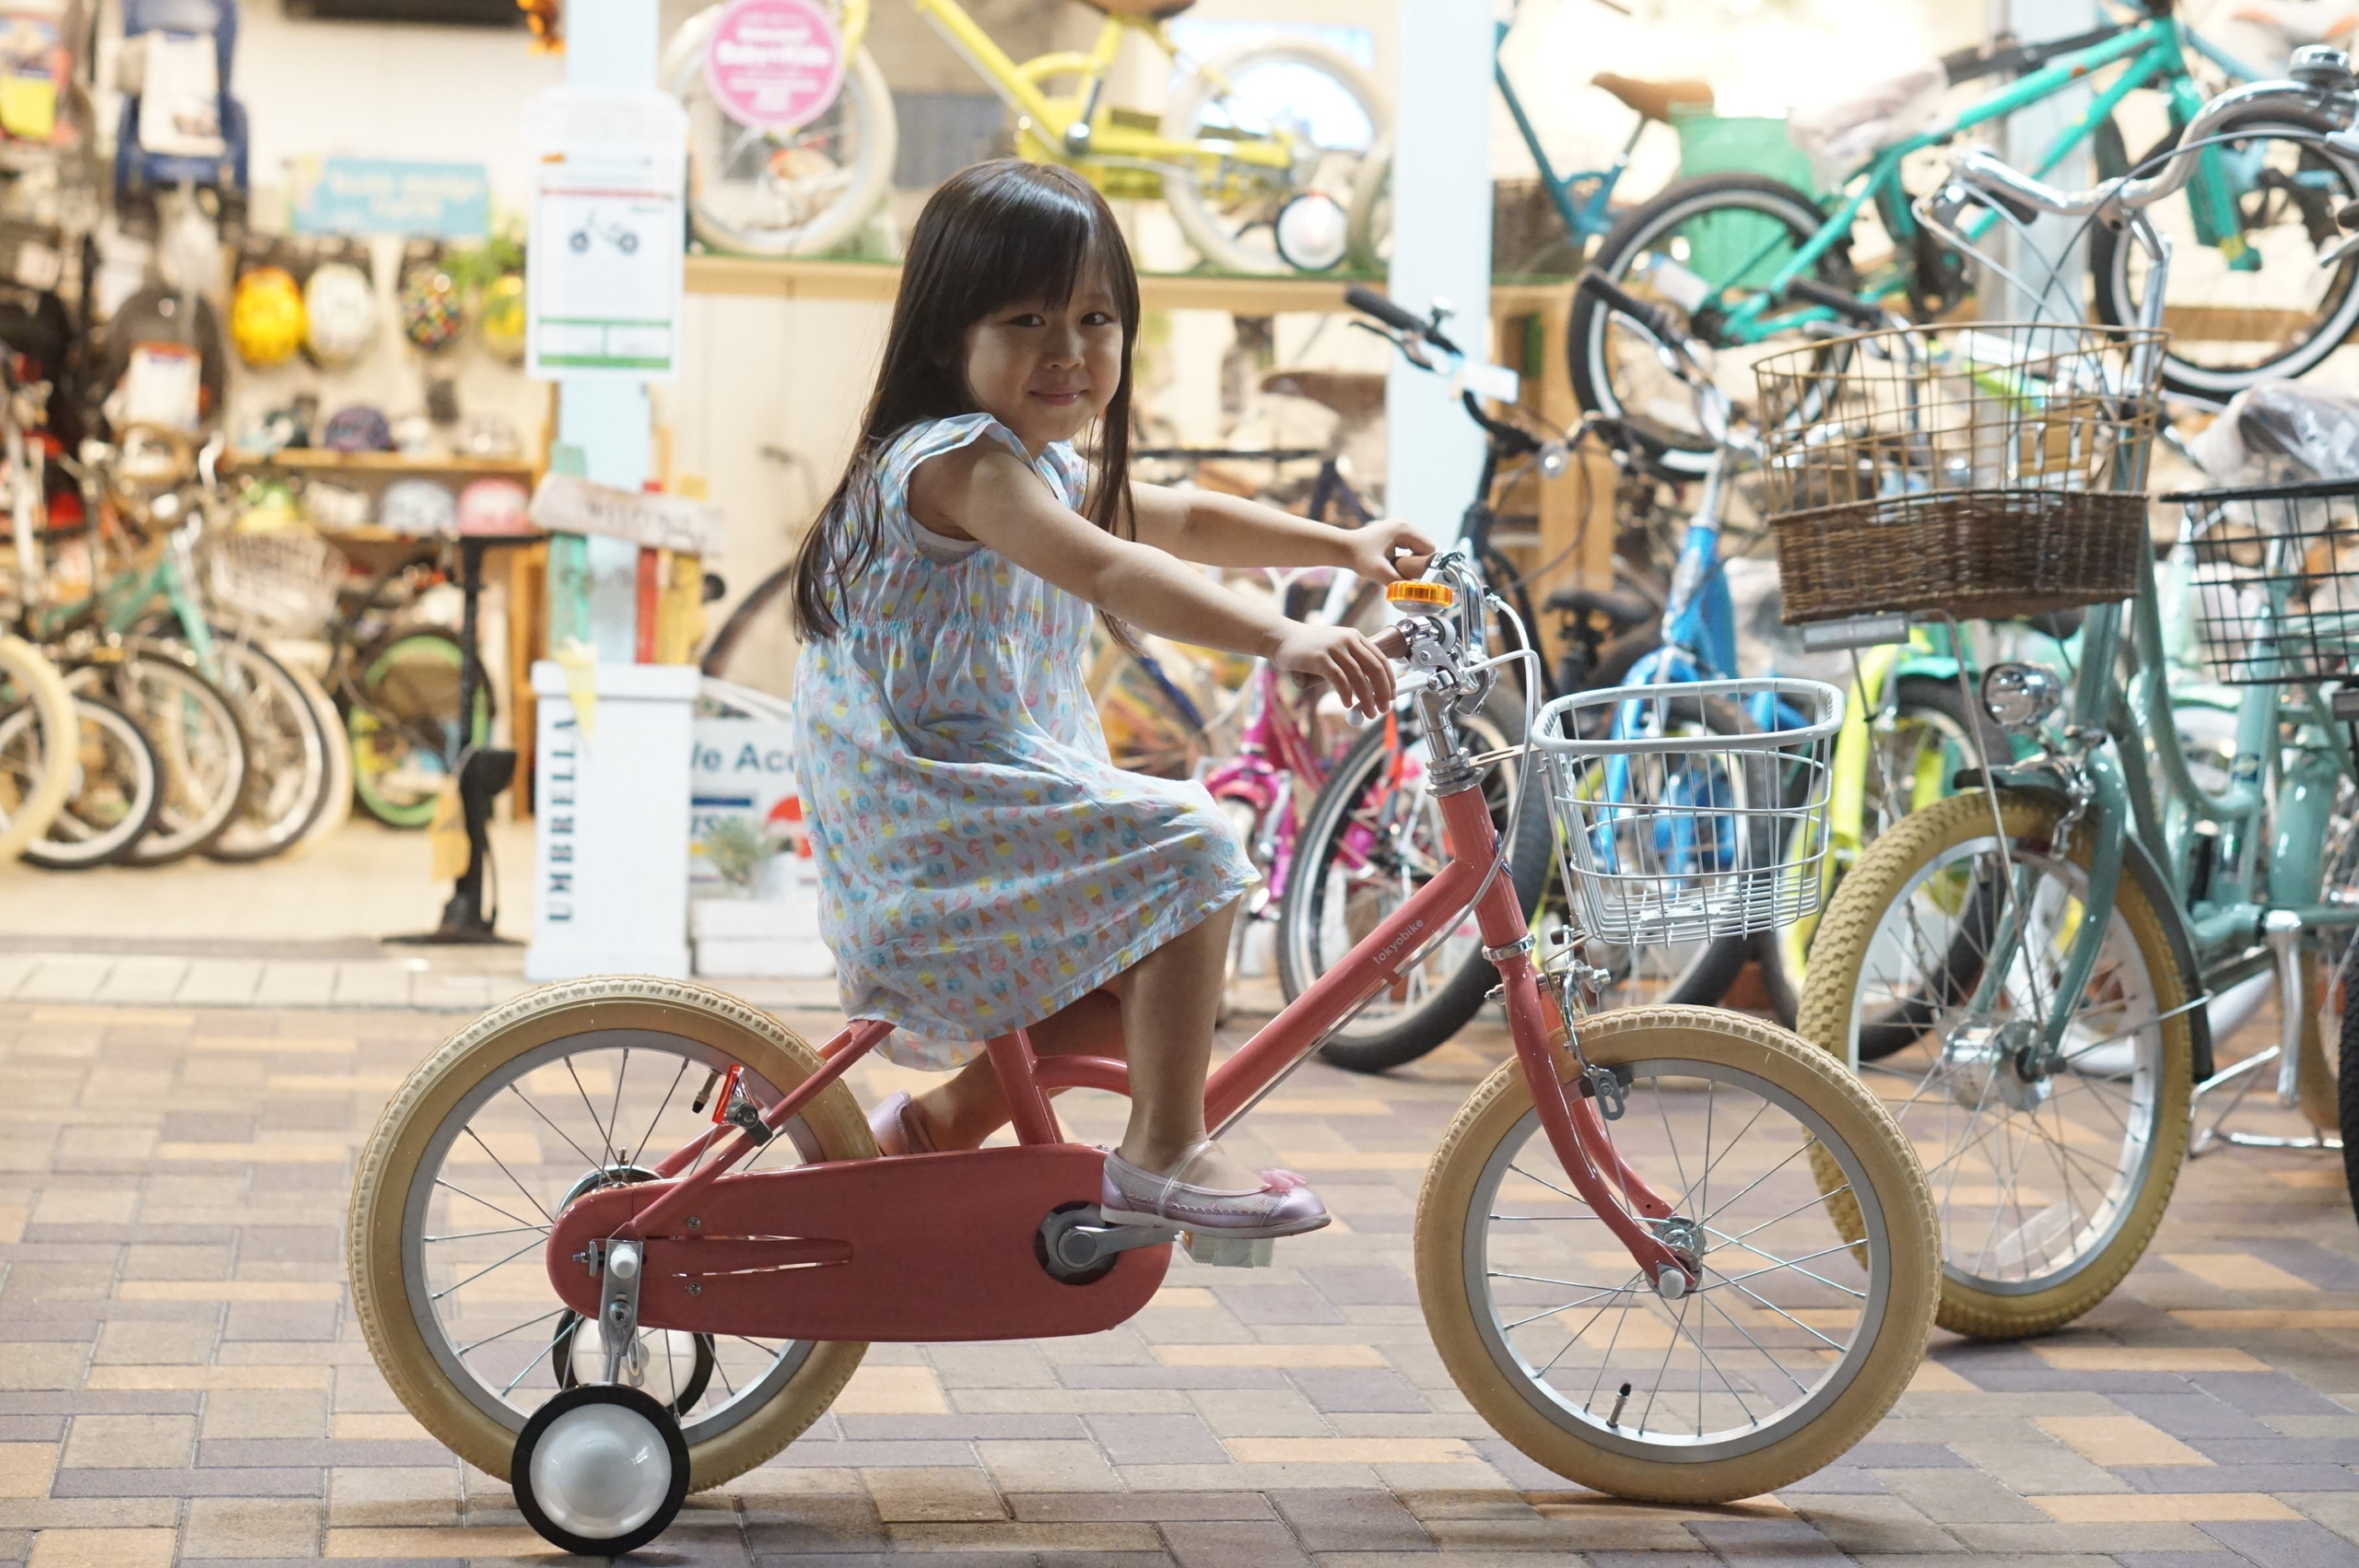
923 1247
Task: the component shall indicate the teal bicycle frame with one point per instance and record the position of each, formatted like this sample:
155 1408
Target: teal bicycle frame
2153 53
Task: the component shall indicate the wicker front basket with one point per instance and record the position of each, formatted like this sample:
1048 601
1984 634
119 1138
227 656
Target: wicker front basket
1988 471
1979 555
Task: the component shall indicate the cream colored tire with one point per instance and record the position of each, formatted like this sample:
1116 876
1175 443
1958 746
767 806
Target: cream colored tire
1691 1043
35 682
2161 1086
386 1298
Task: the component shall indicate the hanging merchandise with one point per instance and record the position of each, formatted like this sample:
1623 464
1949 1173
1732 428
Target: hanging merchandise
357 428
503 319
493 506
342 314
163 360
433 313
266 318
419 508
36 69
179 124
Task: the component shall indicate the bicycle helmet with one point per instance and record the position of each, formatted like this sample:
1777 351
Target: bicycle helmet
417 507
502 319
356 428
493 506
164 317
432 310
266 318
341 312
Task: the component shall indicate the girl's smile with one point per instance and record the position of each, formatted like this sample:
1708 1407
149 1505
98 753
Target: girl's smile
1044 371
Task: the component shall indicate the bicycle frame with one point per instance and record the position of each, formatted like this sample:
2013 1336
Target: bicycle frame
2153 53
663 1214
1085 128
1586 216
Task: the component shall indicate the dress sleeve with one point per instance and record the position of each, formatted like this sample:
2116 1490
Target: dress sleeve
932 439
1073 473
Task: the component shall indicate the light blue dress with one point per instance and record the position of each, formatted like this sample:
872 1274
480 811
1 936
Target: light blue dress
981 862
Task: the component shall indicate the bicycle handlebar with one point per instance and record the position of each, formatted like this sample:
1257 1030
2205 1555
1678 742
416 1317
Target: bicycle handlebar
1369 302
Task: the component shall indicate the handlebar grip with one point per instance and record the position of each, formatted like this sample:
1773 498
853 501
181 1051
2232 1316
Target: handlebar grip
1369 302
2346 216
1650 318
1392 642
1850 306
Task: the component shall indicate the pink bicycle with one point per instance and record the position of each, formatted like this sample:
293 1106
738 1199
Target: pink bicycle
623 1239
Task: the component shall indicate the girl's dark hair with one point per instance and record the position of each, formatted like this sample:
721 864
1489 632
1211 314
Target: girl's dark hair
993 234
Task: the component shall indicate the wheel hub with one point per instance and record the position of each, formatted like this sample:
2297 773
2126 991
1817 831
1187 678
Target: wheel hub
1683 1238
1987 1060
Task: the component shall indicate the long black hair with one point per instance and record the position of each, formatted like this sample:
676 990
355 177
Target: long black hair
993 234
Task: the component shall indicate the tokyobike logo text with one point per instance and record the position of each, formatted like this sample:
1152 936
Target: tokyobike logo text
1384 954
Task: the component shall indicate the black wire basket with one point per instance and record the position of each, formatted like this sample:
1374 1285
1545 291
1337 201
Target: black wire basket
2270 580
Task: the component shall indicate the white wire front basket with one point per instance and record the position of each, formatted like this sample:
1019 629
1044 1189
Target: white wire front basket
1690 811
280 579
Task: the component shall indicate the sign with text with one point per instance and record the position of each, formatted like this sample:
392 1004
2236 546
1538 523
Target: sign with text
604 282
383 196
774 64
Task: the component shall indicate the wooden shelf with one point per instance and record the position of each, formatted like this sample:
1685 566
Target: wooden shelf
792 278
316 460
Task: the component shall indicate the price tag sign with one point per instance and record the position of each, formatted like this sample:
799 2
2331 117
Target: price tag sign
774 64
604 283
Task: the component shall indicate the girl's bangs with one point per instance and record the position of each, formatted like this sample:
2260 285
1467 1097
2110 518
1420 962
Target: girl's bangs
1048 241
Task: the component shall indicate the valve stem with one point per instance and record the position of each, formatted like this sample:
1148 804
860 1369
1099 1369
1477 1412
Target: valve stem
1620 1400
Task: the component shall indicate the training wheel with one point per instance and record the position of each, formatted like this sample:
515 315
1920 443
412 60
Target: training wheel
599 1470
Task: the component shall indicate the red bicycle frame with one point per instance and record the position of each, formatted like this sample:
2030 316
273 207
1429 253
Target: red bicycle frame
1569 1114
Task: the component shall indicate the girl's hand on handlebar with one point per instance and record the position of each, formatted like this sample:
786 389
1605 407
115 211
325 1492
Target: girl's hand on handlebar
1389 550
1341 657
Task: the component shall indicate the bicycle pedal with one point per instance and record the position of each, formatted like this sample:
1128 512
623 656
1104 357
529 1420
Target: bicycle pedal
1229 1252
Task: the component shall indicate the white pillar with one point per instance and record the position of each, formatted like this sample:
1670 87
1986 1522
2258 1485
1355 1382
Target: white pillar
2021 139
1441 249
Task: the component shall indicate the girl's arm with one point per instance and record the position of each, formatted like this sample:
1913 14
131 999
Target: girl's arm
1229 530
987 494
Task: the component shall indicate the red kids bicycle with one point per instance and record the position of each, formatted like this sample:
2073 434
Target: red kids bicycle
622 1239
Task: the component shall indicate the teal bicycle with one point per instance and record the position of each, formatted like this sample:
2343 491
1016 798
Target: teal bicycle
1753 265
2027 969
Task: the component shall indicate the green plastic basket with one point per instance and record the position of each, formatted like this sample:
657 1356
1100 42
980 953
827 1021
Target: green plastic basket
1738 249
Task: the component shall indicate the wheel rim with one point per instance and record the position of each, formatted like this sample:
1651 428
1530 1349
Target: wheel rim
114 784
200 752
772 192
286 755
1785 1309
2034 1165
498 1169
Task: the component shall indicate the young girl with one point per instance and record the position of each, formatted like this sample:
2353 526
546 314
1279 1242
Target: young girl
983 866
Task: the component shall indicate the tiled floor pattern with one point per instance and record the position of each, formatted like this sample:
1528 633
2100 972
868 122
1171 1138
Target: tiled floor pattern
180 1377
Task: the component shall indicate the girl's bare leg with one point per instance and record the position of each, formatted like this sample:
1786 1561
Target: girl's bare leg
1170 1001
969 1106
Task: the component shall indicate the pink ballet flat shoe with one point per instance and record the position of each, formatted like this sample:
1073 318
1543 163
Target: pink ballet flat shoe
1283 1205
900 1127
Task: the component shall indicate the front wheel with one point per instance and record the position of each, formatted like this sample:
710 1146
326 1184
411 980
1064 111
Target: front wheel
1791 1345
567 1089
1372 838
1940 958
1297 94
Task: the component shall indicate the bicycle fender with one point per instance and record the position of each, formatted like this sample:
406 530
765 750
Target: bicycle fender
2139 865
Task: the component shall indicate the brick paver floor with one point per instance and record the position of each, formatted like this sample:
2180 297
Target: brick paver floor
181 1376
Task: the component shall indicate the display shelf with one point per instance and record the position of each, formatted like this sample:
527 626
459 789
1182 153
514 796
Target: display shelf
795 278
317 460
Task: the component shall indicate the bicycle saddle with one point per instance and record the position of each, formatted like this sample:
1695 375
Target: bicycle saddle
1653 100
1150 10
1353 394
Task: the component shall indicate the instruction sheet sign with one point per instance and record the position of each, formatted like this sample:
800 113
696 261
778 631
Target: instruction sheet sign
774 64
384 196
602 282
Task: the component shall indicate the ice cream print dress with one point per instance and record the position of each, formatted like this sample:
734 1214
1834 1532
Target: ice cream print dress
981 862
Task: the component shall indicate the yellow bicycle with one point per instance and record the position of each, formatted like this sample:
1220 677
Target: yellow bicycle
1257 154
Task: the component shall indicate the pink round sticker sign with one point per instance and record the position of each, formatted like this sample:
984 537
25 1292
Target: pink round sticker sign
774 64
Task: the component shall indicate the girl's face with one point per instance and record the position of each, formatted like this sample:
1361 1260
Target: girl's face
1046 372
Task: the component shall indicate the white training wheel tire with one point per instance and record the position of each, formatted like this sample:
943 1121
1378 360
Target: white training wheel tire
601 1470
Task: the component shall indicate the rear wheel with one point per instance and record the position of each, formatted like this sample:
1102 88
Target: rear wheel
198 740
1798 1335
565 1090
287 752
404 724
115 786
1373 838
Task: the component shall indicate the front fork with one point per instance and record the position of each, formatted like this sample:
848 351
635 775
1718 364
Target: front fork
1570 1115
